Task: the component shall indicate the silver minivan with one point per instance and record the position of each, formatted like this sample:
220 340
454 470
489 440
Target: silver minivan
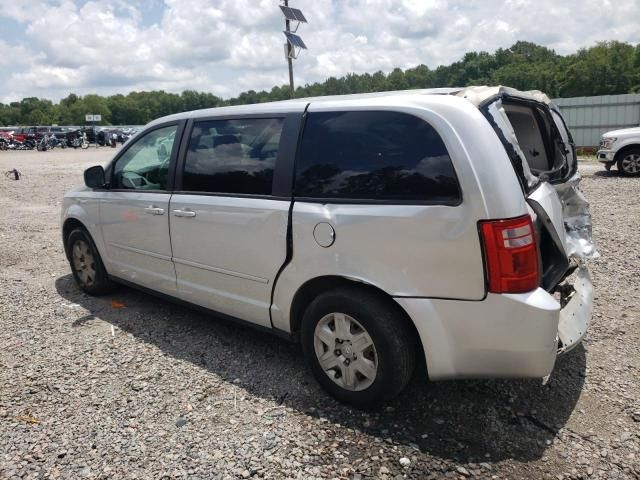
439 227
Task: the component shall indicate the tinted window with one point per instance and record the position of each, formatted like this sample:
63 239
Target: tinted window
232 156
145 164
374 155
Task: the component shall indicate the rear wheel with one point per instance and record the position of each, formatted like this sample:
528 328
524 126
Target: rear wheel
86 264
629 162
358 345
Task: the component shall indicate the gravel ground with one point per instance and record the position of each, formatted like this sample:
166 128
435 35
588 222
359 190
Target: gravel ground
129 386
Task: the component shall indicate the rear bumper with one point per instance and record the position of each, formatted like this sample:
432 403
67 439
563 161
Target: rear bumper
575 316
514 335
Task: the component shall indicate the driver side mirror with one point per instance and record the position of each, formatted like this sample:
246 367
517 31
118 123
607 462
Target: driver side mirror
94 177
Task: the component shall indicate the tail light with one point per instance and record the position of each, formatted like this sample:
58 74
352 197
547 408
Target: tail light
511 255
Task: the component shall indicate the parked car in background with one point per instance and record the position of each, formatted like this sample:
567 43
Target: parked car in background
25 133
36 133
621 147
439 227
4 131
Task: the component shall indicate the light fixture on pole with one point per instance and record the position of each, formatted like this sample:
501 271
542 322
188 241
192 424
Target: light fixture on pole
294 43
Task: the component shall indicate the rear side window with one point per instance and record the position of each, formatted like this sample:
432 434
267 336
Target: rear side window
374 155
232 156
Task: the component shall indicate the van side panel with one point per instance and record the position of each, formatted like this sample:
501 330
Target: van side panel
409 250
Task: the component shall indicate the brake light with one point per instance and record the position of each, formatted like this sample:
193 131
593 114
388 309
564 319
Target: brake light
511 255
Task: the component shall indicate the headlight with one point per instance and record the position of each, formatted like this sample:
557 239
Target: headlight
607 142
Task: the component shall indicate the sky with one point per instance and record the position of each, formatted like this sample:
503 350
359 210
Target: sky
50 48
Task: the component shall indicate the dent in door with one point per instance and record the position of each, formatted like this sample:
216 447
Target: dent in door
228 254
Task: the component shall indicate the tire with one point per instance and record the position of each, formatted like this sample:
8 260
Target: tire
362 377
629 162
86 264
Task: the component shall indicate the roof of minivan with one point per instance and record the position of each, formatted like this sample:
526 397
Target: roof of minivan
474 94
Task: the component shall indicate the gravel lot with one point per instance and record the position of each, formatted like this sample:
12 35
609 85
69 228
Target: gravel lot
130 386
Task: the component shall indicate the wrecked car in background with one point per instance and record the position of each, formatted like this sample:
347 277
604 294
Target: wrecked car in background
381 230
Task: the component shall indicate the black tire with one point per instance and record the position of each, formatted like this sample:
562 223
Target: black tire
93 280
625 168
392 337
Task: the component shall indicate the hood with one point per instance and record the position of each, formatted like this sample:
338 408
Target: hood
622 132
77 189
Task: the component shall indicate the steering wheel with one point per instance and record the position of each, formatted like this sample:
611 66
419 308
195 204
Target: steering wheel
133 180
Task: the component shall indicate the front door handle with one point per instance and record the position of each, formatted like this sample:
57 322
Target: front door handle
184 213
153 210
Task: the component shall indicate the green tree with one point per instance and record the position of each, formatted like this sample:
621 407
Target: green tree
605 68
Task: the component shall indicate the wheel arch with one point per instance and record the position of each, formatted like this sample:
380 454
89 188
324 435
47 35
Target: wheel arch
69 225
620 153
308 291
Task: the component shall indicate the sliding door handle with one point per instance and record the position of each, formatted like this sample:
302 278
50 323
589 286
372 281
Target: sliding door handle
153 210
184 213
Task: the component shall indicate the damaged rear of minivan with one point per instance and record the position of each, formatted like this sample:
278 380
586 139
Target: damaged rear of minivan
543 155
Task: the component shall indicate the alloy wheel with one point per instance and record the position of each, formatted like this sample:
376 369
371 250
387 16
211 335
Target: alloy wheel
631 163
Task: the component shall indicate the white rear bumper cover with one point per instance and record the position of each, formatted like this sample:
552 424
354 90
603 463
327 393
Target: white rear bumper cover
514 335
575 316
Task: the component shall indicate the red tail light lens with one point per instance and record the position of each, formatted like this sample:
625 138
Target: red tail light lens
511 255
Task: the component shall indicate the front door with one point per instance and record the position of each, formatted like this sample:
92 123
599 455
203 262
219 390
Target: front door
228 229
134 211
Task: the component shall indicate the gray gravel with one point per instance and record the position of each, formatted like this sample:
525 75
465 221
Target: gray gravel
129 386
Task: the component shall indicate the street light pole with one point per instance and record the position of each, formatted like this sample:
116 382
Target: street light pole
287 27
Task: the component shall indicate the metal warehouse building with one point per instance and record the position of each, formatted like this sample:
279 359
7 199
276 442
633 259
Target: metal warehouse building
589 117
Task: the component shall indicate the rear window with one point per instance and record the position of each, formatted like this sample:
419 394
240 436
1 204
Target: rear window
374 155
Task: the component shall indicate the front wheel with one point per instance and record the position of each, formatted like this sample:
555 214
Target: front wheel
86 264
629 162
359 346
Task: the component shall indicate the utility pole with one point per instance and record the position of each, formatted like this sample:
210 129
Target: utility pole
293 41
287 27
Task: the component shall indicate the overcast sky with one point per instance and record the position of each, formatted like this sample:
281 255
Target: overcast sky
52 48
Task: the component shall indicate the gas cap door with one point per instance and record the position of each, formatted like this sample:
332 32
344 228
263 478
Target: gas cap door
324 234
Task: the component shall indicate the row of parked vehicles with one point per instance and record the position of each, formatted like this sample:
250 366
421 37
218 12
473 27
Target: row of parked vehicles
45 138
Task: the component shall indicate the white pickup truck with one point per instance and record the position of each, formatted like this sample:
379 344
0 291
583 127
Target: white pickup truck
621 147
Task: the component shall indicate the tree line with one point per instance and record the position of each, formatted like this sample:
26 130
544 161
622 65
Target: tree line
607 68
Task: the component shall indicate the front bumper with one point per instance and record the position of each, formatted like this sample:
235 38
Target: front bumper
509 335
605 156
